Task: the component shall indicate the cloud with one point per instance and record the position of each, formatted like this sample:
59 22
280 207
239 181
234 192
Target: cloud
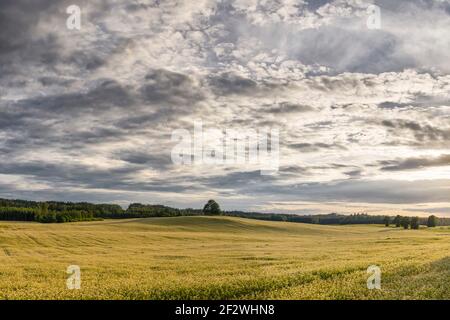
105 93
359 50
422 132
309 147
229 83
253 185
17 21
287 107
91 112
146 159
163 86
416 163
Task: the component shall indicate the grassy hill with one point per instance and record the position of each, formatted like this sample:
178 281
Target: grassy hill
221 258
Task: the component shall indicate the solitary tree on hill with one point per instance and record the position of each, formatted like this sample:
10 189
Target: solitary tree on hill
211 208
387 221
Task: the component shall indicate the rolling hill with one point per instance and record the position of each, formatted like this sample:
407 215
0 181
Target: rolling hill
221 258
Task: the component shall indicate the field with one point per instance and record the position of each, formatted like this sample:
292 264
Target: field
221 258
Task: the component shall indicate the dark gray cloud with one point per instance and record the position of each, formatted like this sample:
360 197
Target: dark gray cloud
420 131
230 83
17 20
64 121
409 4
315 147
363 50
294 170
419 101
104 94
316 4
87 177
415 163
76 119
34 40
354 173
163 86
286 107
438 210
252 184
234 179
147 159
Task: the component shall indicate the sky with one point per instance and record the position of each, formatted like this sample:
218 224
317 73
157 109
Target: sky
363 110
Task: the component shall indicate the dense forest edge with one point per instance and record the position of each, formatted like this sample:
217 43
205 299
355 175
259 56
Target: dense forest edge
59 212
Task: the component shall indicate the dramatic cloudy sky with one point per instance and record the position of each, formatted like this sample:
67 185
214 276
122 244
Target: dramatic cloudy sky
363 114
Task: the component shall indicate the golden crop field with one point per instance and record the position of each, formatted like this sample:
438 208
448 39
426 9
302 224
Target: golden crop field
221 258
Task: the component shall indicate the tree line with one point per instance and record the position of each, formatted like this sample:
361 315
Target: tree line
59 212
339 219
53 211
415 222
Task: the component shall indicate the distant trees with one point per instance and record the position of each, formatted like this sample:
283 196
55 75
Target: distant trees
397 221
43 208
138 210
415 223
44 215
18 203
432 221
405 222
54 211
17 214
96 209
330 219
211 208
